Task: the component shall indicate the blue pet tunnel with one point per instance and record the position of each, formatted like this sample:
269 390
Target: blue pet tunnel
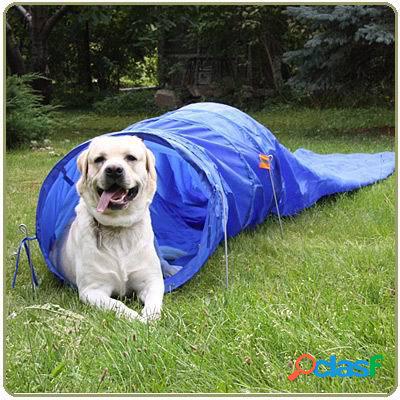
210 182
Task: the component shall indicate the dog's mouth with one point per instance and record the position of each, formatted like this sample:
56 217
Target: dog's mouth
115 197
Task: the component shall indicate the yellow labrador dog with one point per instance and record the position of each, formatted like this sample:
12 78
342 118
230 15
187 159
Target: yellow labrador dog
109 248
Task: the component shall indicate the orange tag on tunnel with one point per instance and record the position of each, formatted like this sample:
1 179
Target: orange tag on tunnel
264 161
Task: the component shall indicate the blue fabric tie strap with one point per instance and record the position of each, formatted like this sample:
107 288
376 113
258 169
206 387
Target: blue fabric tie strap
166 254
24 243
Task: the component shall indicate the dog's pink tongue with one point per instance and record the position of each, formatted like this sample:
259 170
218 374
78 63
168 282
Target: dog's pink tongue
105 199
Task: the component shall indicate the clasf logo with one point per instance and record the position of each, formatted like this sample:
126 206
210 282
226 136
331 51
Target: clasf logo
341 368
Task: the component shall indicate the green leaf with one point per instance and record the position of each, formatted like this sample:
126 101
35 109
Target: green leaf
57 369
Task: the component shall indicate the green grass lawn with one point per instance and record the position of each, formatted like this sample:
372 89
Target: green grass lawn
327 287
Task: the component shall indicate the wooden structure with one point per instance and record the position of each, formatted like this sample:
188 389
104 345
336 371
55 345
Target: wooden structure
204 74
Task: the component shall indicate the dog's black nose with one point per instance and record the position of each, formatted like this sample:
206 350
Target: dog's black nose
114 171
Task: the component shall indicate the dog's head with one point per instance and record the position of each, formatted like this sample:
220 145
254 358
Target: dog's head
118 179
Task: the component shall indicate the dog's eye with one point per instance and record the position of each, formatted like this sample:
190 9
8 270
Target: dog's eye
130 157
99 159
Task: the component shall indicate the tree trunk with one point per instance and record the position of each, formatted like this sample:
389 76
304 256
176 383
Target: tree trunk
161 59
249 65
275 67
40 25
39 55
84 68
39 65
14 58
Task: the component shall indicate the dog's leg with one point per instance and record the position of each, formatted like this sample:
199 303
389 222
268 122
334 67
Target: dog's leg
152 296
101 299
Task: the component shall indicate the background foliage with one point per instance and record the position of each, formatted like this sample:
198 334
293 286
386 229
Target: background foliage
346 49
308 55
27 119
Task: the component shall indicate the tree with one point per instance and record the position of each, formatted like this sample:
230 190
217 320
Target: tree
40 21
95 46
125 38
15 60
344 47
252 34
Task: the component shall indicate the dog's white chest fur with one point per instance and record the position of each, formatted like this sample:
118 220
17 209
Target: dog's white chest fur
116 257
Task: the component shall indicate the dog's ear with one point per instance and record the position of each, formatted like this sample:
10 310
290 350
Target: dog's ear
83 164
151 165
151 170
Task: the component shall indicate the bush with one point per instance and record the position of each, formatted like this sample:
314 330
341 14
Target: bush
76 97
26 117
126 103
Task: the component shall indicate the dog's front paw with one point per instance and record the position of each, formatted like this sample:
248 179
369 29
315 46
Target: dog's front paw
151 313
132 315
